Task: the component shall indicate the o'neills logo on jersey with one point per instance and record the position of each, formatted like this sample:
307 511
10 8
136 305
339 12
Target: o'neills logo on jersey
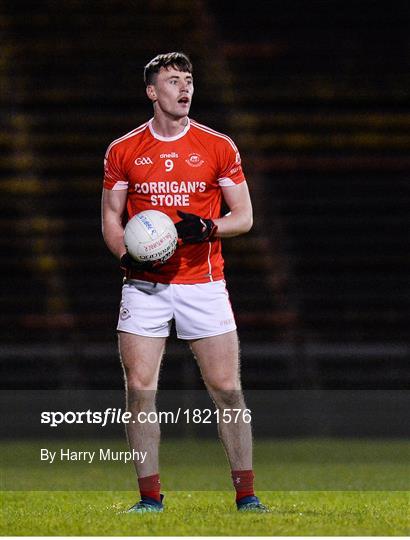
194 160
173 155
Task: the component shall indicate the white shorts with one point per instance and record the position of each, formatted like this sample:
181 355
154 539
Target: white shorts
199 310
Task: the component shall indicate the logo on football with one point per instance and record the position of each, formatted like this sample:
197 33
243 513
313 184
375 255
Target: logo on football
151 236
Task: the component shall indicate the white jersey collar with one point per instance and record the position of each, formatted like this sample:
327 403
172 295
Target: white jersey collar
175 138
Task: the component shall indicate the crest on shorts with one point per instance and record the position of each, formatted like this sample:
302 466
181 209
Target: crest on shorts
194 160
124 313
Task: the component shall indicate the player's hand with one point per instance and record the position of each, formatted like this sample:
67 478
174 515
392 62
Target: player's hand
193 229
128 263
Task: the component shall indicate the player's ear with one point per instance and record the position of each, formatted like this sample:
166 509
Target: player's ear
152 95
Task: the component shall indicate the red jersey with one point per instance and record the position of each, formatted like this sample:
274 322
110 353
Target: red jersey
185 173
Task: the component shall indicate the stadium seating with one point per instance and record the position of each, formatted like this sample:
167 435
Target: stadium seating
319 113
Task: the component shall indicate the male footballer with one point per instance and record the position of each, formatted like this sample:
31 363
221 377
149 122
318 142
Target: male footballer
184 169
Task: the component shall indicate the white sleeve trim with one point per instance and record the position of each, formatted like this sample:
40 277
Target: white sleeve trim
121 184
226 182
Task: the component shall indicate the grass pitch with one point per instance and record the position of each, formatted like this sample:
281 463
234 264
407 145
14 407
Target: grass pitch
314 488
206 514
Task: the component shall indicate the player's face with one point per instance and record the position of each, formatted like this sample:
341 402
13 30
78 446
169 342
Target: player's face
172 92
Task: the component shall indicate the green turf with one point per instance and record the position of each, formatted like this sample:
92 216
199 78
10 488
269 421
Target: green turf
366 485
206 513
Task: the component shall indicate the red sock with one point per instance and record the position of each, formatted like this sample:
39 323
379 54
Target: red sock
243 483
150 486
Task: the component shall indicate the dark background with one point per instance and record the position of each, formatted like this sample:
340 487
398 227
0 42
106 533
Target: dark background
315 94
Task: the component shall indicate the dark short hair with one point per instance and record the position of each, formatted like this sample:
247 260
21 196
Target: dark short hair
177 60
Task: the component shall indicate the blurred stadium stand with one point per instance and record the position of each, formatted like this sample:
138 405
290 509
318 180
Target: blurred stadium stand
317 100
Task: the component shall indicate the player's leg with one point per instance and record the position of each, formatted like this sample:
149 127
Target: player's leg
203 317
141 359
218 360
143 325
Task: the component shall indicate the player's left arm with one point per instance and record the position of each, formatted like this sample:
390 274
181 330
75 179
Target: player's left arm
193 229
239 220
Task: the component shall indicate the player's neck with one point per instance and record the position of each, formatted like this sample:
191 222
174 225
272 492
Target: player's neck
168 127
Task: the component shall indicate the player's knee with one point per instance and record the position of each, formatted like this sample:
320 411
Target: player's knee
228 397
227 384
135 380
140 388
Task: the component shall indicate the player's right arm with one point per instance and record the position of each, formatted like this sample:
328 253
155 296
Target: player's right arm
112 210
